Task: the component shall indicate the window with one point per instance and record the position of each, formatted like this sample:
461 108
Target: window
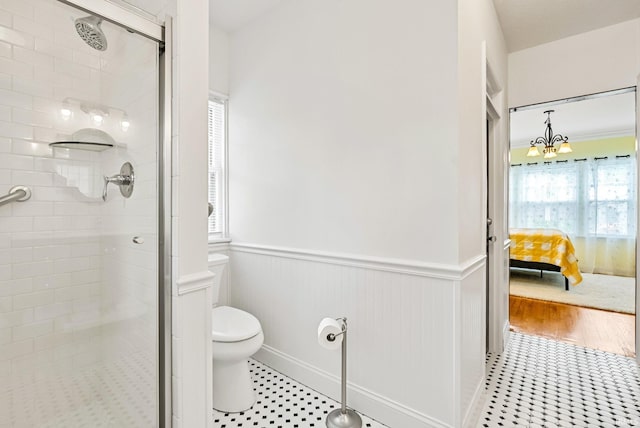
217 167
586 197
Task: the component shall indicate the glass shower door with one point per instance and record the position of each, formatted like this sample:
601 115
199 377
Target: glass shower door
79 103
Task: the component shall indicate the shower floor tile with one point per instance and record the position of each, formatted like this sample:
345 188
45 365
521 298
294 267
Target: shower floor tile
118 393
282 403
539 382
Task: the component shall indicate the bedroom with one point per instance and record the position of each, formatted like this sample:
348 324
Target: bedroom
576 211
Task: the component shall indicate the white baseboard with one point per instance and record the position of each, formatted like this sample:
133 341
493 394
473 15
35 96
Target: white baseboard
475 408
389 412
506 331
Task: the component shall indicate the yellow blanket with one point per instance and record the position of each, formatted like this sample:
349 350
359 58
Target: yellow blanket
546 246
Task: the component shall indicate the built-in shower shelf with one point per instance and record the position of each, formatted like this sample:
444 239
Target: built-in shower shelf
79 145
88 139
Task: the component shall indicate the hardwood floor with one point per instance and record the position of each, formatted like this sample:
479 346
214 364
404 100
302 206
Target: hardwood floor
591 328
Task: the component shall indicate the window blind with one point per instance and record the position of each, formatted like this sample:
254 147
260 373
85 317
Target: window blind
217 122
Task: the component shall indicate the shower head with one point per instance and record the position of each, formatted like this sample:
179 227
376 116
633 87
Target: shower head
89 30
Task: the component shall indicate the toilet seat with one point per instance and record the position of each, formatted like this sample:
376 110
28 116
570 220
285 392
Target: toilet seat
233 325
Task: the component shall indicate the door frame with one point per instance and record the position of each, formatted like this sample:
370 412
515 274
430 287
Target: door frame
637 331
496 145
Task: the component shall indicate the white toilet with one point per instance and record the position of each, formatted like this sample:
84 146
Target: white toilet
236 335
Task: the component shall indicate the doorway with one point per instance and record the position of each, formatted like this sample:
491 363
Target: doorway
573 220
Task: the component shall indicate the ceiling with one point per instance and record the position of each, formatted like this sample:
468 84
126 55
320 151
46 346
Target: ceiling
527 23
607 116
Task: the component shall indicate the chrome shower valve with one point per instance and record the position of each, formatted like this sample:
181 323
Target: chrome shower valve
124 181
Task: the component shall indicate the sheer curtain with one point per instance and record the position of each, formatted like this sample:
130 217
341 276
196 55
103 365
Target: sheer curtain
592 200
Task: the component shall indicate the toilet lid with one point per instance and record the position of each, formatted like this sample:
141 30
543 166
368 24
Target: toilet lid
233 325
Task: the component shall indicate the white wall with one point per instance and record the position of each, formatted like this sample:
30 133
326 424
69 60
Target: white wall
480 43
340 124
352 193
596 61
219 61
191 317
478 22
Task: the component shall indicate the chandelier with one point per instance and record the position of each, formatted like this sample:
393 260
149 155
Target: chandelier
549 141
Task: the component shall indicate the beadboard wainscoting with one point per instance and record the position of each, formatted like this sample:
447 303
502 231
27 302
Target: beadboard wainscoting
406 367
471 352
191 350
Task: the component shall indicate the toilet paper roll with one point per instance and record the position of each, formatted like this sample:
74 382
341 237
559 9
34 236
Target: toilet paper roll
326 327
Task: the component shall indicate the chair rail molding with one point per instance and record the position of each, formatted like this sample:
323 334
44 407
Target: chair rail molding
193 282
403 266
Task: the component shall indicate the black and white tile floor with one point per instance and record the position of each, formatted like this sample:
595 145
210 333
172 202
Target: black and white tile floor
282 403
538 383
535 383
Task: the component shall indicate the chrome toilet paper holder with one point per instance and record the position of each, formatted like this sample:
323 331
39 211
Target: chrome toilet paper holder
332 337
343 417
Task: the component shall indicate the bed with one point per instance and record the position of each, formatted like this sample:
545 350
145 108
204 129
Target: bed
544 249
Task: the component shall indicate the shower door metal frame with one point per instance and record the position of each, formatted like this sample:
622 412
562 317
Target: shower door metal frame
164 224
163 35
120 17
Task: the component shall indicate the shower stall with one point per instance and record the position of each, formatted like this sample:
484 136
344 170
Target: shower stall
84 239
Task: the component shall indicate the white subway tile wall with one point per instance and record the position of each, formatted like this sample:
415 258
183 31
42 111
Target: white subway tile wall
77 295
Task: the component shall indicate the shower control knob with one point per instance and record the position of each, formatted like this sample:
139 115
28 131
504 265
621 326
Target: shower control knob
124 181
138 240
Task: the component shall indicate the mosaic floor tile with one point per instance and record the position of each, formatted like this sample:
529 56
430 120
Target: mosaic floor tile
539 382
282 403
535 383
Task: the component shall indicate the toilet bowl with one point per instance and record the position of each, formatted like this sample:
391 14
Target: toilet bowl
236 336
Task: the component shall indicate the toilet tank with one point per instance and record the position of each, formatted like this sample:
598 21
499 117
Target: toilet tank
217 264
